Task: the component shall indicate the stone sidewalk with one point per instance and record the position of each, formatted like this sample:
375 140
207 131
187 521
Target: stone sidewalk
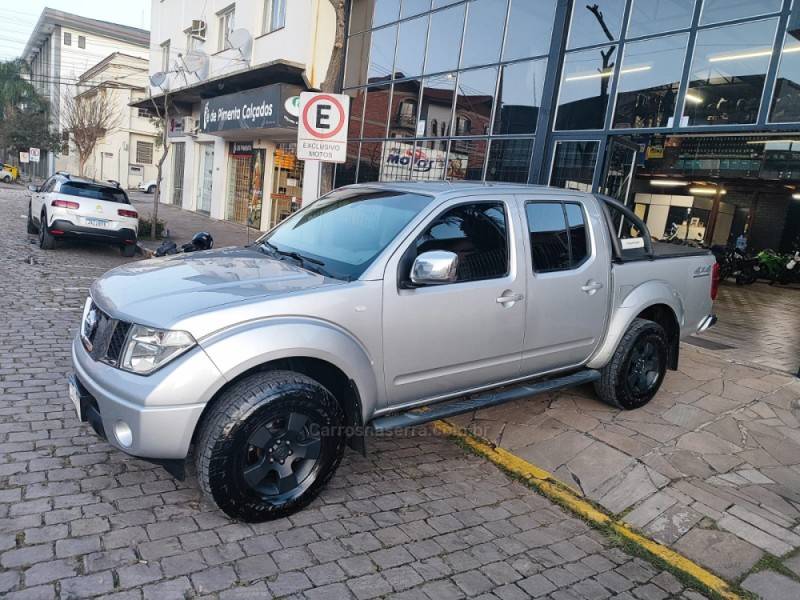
711 467
183 224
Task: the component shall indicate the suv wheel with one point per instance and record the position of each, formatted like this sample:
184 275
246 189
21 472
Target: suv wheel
46 239
31 225
269 445
637 368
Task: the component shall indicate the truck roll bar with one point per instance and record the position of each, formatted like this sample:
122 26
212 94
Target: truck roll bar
607 203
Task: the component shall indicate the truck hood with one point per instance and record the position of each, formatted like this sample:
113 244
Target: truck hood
161 291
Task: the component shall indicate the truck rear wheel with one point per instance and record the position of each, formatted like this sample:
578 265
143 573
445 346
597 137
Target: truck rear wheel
269 445
636 370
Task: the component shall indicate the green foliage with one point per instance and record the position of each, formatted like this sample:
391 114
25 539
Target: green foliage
146 225
24 120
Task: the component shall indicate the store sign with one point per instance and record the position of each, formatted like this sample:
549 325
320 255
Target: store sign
400 157
266 107
241 148
322 132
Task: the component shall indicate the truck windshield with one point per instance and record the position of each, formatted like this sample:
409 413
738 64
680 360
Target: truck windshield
342 233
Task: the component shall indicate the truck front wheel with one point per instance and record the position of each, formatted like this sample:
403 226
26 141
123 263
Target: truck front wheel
637 368
269 445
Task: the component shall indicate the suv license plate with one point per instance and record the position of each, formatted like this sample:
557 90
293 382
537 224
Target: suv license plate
75 396
92 222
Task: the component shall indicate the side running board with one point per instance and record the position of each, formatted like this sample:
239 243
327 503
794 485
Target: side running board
460 406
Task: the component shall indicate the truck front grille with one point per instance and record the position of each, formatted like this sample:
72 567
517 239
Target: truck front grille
106 338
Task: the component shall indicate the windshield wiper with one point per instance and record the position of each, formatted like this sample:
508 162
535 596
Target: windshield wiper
300 258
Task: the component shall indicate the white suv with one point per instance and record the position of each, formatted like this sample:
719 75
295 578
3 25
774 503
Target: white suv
76 207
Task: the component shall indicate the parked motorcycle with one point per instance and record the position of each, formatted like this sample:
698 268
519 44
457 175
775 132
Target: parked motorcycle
201 240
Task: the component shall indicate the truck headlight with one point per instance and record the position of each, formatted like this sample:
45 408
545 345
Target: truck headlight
147 348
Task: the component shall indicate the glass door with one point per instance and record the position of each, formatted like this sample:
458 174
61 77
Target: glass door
287 184
178 170
621 155
206 179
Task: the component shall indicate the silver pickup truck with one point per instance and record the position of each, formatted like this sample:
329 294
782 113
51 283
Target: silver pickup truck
366 306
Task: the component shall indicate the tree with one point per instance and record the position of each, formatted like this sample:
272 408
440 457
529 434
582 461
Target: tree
333 79
23 112
88 116
161 121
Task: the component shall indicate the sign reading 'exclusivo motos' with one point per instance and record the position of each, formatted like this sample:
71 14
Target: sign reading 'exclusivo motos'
267 107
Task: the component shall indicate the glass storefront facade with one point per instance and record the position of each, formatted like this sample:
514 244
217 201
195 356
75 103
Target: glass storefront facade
608 96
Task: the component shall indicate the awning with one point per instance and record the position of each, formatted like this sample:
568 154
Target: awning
278 71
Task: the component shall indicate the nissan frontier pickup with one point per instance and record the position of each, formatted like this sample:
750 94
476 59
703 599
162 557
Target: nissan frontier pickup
364 308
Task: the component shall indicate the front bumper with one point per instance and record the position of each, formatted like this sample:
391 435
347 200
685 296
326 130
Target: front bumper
160 410
110 236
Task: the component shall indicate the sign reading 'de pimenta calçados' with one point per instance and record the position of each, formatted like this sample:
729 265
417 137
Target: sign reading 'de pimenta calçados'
271 106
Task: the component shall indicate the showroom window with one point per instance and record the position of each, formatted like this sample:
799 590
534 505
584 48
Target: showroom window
649 80
574 164
728 71
649 17
785 107
716 11
597 22
585 86
483 37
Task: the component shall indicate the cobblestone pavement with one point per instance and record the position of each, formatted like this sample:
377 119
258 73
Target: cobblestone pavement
762 324
416 518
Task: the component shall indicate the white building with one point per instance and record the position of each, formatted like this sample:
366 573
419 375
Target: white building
223 56
127 153
63 46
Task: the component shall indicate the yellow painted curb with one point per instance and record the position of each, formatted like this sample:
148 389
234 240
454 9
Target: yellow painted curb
568 497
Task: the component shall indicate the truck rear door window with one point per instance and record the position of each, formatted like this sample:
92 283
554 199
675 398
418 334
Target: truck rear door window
559 240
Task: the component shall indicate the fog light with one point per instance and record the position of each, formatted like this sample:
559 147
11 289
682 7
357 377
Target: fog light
123 434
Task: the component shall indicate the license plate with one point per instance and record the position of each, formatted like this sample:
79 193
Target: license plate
75 396
93 222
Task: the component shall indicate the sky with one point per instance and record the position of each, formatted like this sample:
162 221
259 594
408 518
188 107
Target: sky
18 17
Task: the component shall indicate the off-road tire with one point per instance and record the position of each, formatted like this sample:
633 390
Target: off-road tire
32 229
46 239
614 386
128 250
222 445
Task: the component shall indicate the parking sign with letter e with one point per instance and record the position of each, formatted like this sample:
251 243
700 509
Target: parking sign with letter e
322 130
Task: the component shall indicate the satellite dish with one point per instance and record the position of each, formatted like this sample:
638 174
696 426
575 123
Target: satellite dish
158 79
241 40
196 62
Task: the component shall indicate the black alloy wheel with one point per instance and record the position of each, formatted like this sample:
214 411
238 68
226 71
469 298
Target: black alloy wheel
269 444
281 455
637 368
643 367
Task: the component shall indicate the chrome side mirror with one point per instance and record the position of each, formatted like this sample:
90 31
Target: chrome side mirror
33 188
434 268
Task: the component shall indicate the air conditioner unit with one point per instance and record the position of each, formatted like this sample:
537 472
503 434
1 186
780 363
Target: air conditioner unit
190 126
198 29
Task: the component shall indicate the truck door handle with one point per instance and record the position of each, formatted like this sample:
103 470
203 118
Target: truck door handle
592 286
508 299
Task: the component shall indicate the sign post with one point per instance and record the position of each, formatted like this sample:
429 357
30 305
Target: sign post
34 154
321 134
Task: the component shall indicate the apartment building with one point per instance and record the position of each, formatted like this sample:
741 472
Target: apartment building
60 49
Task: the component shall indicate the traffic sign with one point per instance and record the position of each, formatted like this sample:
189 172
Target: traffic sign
322 130
34 154
24 157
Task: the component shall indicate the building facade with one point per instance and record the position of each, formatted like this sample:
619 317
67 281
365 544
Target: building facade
60 49
229 74
127 152
687 110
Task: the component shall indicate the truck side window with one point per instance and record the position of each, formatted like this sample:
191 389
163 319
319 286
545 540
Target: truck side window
477 234
558 235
